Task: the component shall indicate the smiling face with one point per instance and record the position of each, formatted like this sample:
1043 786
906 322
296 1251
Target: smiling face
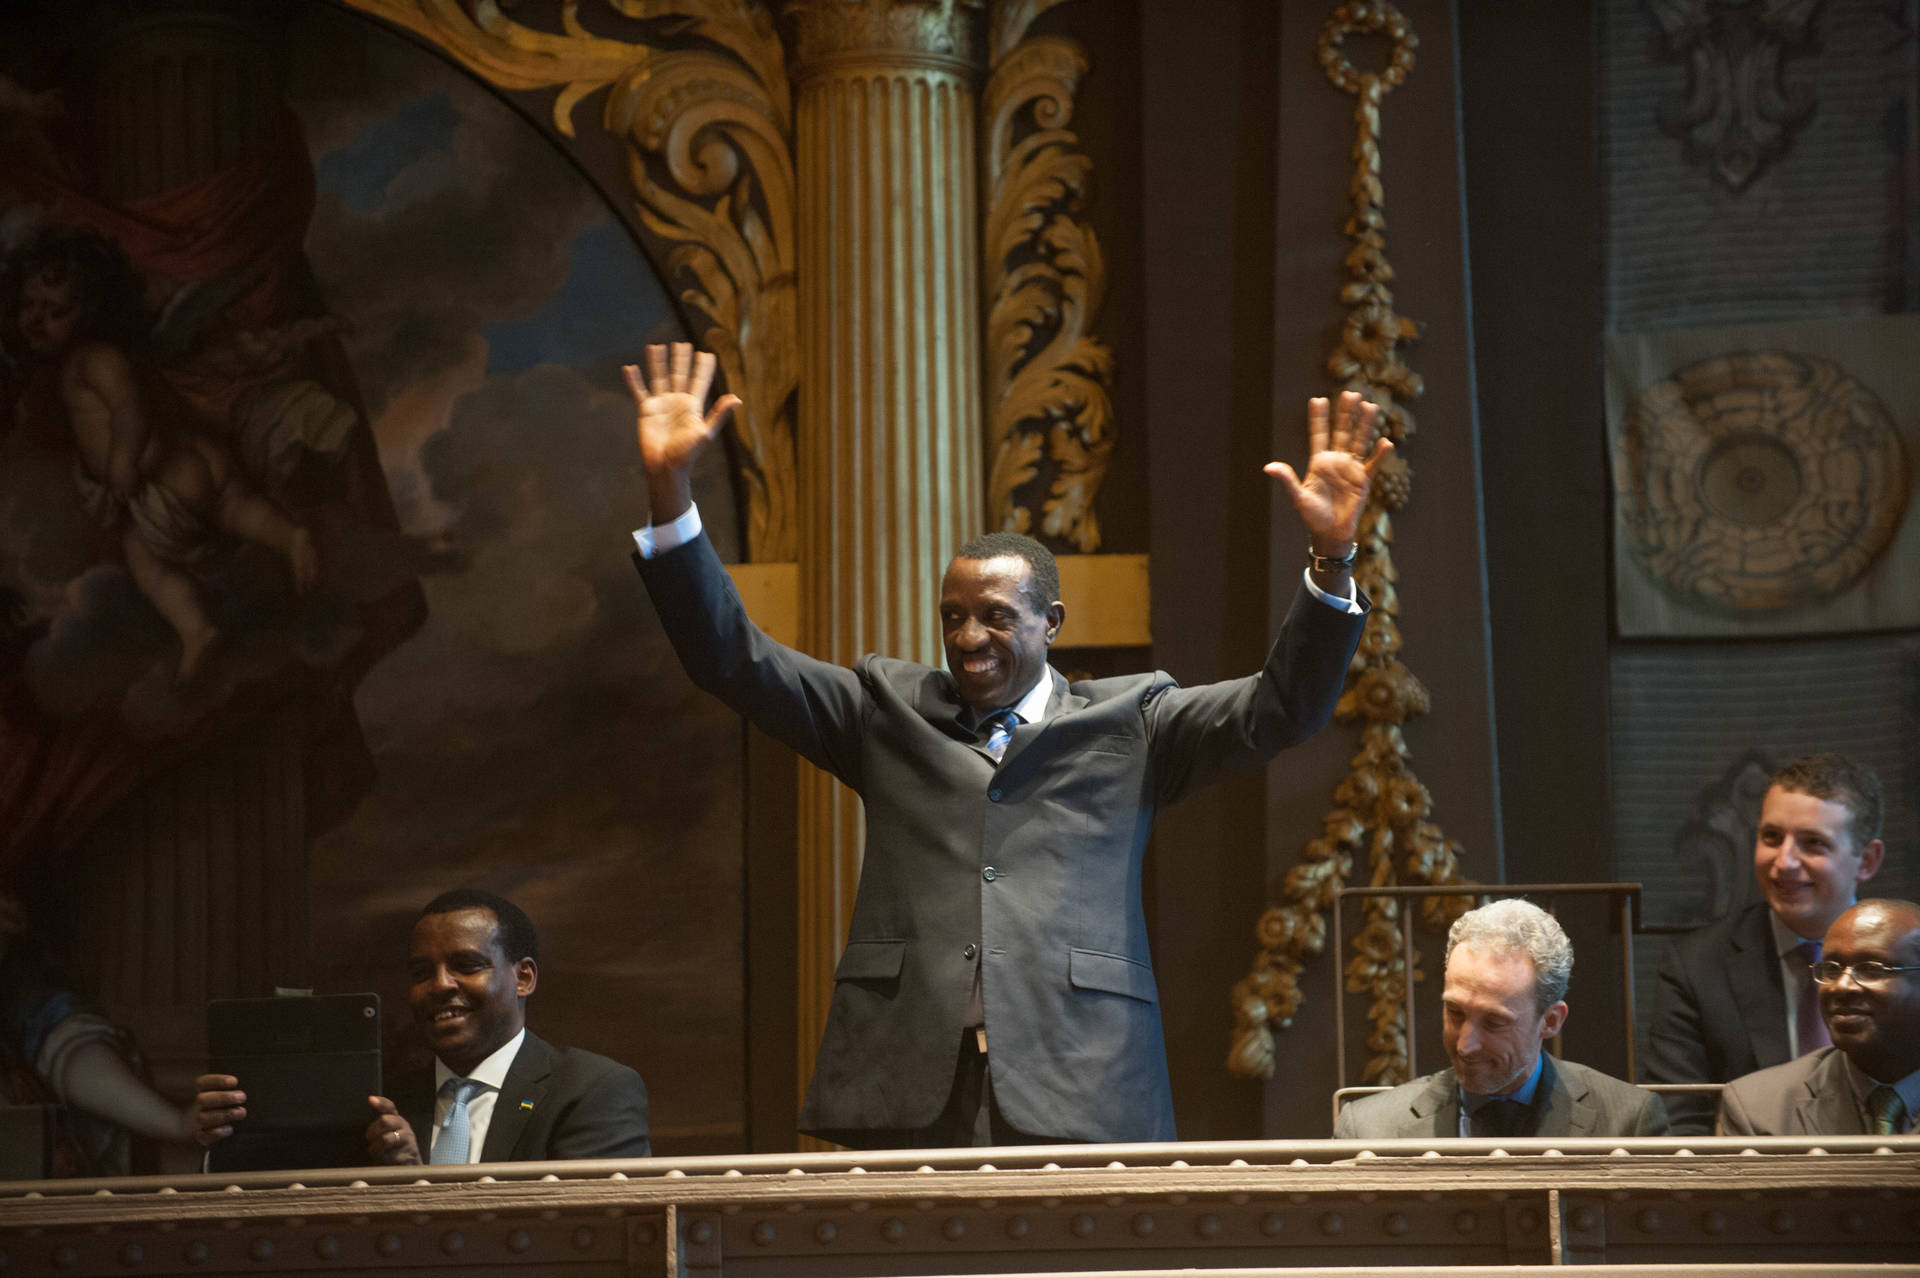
996 636
467 996
1491 1023
1878 1026
1807 861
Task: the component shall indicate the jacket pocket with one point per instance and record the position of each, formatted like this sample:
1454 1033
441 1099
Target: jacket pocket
1111 974
871 961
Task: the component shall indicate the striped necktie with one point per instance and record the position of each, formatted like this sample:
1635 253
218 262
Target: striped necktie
1886 1112
1810 1026
999 728
455 1141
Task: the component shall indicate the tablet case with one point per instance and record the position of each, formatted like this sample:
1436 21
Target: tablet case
307 1064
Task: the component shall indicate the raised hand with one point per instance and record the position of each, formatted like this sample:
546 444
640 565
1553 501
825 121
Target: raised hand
390 1138
1343 456
674 423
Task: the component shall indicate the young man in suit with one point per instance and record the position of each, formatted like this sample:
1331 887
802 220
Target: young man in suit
1868 1082
500 1093
996 986
1735 996
1507 969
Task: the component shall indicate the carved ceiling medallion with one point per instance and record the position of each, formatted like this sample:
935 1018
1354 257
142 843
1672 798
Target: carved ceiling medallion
1759 480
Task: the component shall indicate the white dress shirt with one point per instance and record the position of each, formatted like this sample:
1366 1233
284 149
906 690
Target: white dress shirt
491 1074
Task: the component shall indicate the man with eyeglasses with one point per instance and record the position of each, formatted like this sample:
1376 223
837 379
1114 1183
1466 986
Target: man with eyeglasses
1736 995
1868 1082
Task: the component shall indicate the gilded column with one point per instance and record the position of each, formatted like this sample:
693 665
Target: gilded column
889 377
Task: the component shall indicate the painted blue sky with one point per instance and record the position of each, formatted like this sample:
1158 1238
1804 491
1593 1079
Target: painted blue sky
609 302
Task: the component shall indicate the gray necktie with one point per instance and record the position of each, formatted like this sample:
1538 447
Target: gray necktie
456 1130
1886 1112
999 728
1811 1025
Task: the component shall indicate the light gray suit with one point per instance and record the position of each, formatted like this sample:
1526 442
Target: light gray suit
1811 1095
1031 870
1579 1102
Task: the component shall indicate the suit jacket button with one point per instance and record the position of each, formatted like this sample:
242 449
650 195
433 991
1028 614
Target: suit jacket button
994 794
989 874
970 951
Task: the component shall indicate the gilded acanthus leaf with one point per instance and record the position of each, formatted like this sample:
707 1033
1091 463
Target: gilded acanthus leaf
1049 410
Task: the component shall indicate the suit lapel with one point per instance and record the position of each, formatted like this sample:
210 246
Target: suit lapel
1059 703
1825 1106
1566 1105
520 1096
1436 1110
1753 974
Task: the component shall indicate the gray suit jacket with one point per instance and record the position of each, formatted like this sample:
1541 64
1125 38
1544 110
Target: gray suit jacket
1579 1102
1031 870
1810 1095
558 1102
1718 1011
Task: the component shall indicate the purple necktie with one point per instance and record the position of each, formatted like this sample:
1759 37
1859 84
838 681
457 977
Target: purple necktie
1812 1027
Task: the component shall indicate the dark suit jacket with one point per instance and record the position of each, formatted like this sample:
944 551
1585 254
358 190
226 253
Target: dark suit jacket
1032 869
1579 1102
1718 1011
557 1102
1810 1095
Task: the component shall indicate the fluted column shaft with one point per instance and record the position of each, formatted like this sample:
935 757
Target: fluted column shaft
890 454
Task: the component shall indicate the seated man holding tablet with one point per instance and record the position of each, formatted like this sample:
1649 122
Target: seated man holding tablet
501 1093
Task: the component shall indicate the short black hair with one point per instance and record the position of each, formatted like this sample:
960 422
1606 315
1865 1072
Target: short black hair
1838 779
517 936
1000 545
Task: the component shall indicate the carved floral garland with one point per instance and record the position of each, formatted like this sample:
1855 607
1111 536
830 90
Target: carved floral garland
1381 810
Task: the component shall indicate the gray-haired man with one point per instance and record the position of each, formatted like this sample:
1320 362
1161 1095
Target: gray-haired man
1507 969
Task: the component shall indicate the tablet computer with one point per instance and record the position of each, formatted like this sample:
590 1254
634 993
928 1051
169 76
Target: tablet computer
306 1062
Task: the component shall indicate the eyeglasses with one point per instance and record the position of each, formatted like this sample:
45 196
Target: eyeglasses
1869 973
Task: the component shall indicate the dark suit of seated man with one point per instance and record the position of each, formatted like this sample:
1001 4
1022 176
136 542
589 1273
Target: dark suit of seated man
1507 969
1735 995
499 1093
1868 1082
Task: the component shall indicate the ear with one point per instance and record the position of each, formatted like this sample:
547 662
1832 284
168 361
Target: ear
1870 858
1056 615
526 975
1556 1016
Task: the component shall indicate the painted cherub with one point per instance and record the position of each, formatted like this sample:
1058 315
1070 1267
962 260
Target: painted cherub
74 302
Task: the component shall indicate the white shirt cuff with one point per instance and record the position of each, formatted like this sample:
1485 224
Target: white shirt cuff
660 538
1350 605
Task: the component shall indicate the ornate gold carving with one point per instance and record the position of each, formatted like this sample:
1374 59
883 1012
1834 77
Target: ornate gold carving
937 31
710 157
1047 378
1759 480
1381 809
1738 114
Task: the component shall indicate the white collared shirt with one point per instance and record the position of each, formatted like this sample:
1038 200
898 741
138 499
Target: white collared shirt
664 537
492 1075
